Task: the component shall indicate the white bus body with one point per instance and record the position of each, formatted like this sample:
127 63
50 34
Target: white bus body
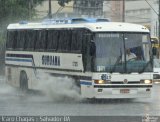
99 72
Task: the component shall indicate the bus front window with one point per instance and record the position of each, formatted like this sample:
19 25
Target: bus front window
122 52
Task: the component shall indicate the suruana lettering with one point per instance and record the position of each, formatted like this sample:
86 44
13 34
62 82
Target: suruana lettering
50 60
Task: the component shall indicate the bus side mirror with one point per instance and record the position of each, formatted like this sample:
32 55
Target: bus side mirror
92 49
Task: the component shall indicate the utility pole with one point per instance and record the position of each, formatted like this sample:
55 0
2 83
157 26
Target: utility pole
123 16
30 5
159 22
50 10
159 28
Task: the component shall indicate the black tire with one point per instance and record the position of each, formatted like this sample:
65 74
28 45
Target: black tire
23 81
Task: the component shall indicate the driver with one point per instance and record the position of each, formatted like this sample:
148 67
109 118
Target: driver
129 55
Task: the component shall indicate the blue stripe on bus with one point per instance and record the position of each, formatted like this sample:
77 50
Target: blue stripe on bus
24 60
85 83
19 60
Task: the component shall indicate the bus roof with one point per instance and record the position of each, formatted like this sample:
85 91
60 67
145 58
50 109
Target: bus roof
93 26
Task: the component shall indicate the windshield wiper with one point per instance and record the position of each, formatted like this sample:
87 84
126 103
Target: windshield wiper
117 61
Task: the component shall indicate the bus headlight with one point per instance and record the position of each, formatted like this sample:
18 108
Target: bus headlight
101 81
146 81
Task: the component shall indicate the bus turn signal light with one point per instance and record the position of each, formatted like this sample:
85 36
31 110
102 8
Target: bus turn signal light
101 81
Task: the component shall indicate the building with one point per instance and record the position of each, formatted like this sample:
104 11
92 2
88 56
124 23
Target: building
154 19
77 8
90 8
117 10
136 11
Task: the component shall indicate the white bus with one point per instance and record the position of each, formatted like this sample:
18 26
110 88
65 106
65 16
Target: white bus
92 51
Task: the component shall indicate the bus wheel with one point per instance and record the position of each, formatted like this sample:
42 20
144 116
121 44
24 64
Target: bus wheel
23 81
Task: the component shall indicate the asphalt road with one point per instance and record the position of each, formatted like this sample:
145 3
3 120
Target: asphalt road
14 103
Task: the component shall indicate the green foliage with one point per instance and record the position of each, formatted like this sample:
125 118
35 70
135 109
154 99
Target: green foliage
17 9
2 42
1 39
62 2
12 11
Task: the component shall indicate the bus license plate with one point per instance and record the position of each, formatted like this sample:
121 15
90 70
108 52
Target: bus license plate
124 91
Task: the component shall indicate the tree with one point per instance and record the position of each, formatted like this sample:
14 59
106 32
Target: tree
63 2
17 9
13 11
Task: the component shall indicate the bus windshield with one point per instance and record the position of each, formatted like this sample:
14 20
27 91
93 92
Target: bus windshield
122 52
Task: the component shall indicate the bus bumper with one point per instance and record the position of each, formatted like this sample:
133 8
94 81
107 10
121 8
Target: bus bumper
104 93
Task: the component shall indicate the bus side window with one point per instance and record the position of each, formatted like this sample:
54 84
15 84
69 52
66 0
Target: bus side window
40 40
64 40
52 39
30 39
20 39
11 39
77 37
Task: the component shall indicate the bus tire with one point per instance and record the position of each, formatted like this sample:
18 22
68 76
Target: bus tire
23 81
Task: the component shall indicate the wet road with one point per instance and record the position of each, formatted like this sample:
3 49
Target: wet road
13 102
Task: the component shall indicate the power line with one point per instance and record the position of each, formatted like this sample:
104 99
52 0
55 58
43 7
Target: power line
152 8
110 8
50 9
116 14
